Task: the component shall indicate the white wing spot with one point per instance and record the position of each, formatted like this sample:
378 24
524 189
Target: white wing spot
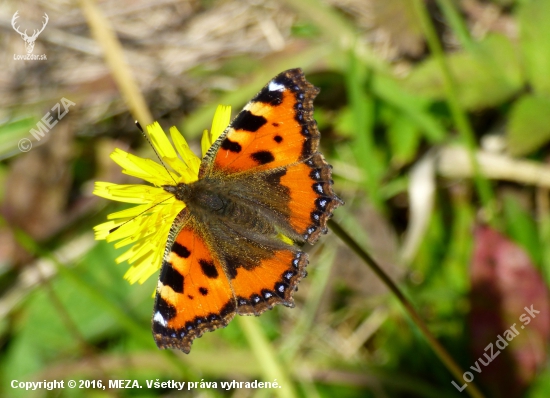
159 319
275 86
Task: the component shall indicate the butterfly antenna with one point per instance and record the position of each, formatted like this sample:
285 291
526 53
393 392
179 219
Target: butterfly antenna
156 153
133 218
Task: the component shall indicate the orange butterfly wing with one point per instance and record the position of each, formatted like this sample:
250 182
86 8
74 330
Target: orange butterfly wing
276 128
271 282
276 131
267 167
312 199
276 135
193 294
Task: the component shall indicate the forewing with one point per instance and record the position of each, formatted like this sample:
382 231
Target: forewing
275 128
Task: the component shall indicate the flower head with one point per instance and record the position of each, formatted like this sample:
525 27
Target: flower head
146 226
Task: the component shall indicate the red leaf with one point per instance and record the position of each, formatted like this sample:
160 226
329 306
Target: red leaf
508 293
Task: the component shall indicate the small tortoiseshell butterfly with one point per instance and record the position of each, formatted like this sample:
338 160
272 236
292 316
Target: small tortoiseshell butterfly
263 191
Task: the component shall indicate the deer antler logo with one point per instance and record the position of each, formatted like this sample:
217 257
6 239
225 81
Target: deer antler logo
29 40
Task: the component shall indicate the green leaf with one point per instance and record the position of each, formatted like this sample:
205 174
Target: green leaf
413 105
521 227
529 125
535 43
485 76
541 386
364 148
344 122
403 137
14 131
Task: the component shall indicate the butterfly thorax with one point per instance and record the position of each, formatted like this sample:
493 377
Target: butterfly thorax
195 196
209 201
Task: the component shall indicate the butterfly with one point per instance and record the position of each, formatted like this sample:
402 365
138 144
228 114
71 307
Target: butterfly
263 190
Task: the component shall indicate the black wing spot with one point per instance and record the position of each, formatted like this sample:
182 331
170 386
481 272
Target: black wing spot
322 202
162 330
316 217
263 157
167 310
227 309
274 178
316 175
278 139
275 124
242 301
180 250
231 145
203 291
318 187
190 325
232 264
212 318
190 297
267 96
208 269
171 277
307 149
267 294
280 289
246 120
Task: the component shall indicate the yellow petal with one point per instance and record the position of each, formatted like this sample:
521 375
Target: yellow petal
101 231
169 157
130 193
138 210
160 141
205 142
145 169
221 120
187 155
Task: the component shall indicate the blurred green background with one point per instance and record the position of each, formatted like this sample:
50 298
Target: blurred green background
411 93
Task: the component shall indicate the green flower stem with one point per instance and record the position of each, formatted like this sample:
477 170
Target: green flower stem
364 148
439 350
448 7
270 366
458 114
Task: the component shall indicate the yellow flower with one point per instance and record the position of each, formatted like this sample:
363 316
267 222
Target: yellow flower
146 225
